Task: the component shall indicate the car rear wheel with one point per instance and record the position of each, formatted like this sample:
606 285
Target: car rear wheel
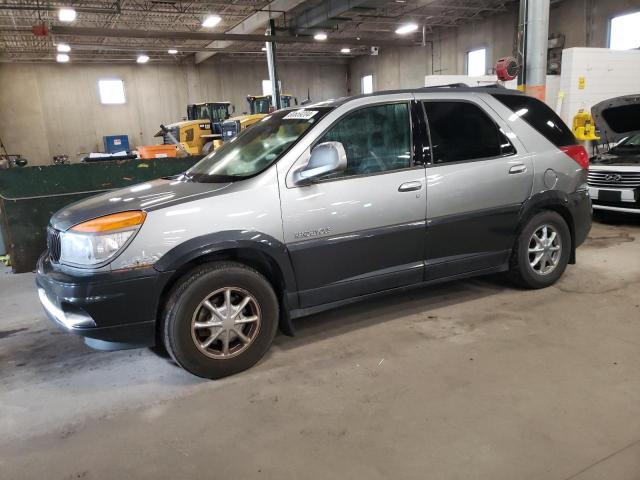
542 251
220 319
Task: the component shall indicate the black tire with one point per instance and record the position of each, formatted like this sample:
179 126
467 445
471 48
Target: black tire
186 297
521 271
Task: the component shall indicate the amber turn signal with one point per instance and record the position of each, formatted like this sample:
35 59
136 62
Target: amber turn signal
108 223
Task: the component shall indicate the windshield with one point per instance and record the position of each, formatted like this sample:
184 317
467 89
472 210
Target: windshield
211 112
260 105
257 147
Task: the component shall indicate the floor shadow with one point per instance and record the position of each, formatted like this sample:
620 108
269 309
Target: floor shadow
387 307
617 218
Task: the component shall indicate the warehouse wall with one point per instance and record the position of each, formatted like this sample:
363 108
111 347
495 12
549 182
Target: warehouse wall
51 109
584 23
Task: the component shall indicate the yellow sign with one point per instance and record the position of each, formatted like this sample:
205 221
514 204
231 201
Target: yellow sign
580 83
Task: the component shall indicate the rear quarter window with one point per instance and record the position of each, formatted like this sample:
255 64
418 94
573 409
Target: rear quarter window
539 116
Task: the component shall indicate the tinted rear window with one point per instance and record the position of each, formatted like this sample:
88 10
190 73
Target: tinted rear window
462 131
539 116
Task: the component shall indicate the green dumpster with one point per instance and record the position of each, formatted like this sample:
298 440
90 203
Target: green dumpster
3 250
30 195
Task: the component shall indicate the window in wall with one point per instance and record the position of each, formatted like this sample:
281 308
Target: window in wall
266 87
624 32
477 62
111 92
462 131
367 84
375 139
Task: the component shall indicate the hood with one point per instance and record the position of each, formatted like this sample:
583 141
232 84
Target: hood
616 158
146 196
617 117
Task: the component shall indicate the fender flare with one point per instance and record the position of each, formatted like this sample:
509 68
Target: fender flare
555 200
247 240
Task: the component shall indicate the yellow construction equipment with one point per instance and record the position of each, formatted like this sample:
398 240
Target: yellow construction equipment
201 132
584 127
259 107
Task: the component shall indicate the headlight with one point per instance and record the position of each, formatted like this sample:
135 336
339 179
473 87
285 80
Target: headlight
97 241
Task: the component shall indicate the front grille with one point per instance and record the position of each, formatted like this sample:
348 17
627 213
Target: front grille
614 179
53 243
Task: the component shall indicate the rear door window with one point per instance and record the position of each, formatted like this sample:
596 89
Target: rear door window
539 116
461 131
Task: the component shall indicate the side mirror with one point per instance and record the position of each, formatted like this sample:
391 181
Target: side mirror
327 157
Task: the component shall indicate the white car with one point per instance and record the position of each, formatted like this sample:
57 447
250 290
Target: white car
614 176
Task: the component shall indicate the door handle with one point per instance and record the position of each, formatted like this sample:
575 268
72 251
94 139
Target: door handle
410 186
517 169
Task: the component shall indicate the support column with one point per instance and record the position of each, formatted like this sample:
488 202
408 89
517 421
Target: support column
537 34
273 68
521 45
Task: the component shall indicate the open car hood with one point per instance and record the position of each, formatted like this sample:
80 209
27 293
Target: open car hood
617 117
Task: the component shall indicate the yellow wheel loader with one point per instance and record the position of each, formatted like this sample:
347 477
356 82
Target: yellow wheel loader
201 132
259 107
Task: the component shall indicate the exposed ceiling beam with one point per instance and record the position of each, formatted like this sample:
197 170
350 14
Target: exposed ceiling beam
229 37
253 22
323 12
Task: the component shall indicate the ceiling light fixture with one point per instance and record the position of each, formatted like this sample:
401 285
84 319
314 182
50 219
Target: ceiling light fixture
62 58
63 48
66 14
142 58
406 28
345 50
172 51
211 21
320 36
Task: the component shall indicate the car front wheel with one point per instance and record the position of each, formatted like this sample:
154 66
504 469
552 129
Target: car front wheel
220 319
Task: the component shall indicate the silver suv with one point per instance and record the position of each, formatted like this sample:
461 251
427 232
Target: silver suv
315 207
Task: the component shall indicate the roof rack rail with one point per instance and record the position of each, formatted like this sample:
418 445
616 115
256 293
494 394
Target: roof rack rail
464 85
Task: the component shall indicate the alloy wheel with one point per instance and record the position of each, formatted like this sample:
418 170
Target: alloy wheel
226 323
545 250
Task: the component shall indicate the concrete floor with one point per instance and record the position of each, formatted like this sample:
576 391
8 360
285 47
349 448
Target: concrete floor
472 379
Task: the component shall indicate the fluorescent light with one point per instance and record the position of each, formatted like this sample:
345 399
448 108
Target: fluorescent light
172 51
264 49
142 59
62 58
211 21
66 14
406 28
320 36
64 48
345 50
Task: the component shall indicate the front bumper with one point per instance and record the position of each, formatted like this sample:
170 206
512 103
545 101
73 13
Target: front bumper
112 310
626 200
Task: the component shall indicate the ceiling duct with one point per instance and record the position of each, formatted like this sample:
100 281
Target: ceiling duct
327 13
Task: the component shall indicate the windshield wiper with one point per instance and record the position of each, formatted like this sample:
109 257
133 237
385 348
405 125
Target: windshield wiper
206 178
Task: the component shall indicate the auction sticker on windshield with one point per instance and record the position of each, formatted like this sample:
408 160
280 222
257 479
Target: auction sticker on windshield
300 115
